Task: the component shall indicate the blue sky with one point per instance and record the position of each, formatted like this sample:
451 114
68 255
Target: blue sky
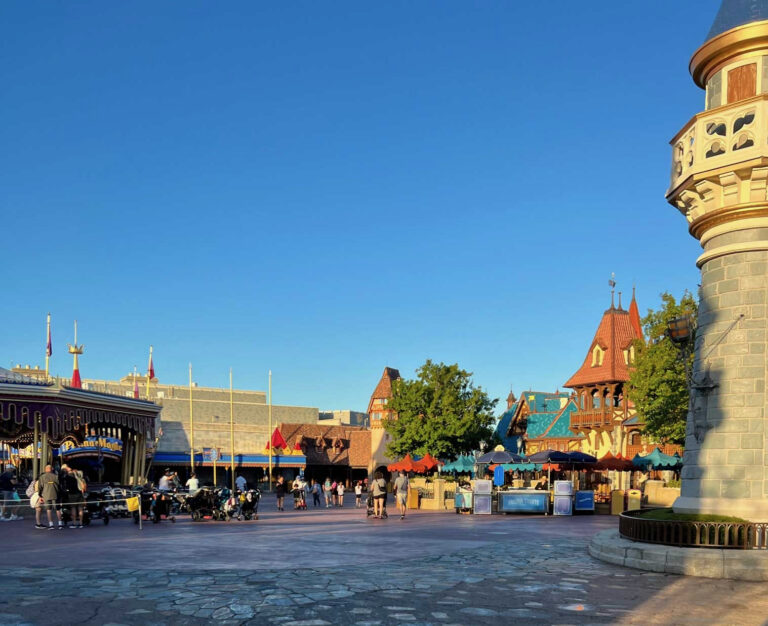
324 189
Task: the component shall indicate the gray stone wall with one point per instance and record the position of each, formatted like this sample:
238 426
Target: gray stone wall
211 424
730 462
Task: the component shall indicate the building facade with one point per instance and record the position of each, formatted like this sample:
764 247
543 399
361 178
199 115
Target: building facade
539 421
379 411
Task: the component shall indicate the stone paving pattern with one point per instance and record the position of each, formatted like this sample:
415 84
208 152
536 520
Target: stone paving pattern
335 567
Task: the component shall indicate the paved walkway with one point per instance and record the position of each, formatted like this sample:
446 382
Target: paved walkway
335 567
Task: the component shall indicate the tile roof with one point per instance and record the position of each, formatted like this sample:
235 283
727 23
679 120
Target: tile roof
561 427
502 429
634 316
615 333
384 387
735 13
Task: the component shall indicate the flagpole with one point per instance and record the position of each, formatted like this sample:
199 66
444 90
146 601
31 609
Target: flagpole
48 348
269 437
231 433
191 425
149 370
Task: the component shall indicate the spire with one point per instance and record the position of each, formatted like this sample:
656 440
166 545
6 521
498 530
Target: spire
634 316
620 309
735 13
75 351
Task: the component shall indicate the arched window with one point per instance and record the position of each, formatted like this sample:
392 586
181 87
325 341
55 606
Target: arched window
597 356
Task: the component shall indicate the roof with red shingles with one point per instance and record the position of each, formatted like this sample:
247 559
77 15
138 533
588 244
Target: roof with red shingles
615 334
384 388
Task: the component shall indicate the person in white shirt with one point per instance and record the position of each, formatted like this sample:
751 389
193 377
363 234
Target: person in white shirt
193 485
358 494
340 493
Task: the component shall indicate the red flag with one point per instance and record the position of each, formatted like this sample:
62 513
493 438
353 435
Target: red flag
277 439
151 367
76 379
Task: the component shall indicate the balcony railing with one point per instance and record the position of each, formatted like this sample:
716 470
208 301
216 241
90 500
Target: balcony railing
720 137
592 418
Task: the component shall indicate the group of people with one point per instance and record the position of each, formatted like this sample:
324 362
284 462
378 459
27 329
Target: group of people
54 493
400 488
333 493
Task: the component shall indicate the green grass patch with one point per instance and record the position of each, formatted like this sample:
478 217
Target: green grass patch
668 515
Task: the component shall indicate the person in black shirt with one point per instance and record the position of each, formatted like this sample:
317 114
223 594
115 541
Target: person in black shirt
280 490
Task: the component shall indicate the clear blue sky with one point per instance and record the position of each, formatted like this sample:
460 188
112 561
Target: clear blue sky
324 189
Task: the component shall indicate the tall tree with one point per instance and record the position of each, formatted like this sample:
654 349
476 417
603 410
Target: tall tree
440 412
657 384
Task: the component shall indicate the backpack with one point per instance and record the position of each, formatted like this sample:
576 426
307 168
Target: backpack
81 485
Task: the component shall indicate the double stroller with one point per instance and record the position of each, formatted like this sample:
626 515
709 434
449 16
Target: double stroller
156 505
202 504
249 504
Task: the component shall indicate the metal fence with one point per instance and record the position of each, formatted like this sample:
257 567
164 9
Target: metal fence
736 535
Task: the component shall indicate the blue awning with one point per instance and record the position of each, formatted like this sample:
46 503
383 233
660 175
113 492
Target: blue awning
241 460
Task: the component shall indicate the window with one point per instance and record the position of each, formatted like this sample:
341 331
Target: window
597 356
715 91
742 82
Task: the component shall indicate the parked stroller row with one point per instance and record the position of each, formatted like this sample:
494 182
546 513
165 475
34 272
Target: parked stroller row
223 505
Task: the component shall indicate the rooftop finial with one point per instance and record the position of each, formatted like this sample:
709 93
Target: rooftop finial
612 283
620 309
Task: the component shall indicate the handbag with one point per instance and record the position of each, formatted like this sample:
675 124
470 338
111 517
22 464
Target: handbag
34 500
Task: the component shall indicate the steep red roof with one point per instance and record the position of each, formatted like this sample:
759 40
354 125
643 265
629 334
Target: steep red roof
615 334
384 388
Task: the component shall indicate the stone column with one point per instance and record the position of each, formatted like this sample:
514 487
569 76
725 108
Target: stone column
726 460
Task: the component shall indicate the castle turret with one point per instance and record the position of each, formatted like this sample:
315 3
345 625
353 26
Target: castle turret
720 184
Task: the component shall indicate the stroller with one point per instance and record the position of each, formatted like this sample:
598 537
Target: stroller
155 505
369 510
249 504
203 504
229 508
299 499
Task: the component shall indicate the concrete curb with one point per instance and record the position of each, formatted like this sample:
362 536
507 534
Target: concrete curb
610 547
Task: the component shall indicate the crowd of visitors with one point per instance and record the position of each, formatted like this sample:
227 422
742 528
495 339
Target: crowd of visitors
57 496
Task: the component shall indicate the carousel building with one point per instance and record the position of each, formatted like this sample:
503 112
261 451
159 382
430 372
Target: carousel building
111 438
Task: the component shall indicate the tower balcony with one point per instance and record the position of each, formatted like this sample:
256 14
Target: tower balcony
592 419
718 141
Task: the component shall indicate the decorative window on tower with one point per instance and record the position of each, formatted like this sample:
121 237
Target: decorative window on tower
715 91
597 356
742 82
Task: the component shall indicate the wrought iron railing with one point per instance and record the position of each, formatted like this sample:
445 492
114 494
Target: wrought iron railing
689 534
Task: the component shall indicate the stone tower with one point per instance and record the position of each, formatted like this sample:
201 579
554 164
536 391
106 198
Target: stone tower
719 181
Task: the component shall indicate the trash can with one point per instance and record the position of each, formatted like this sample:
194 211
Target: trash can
634 499
617 502
412 502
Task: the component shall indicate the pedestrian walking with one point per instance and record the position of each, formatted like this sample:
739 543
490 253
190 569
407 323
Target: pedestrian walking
280 489
340 494
315 493
402 486
327 491
49 491
73 494
379 486
8 484
358 494
241 483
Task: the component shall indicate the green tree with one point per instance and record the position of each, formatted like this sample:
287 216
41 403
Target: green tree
657 384
440 412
